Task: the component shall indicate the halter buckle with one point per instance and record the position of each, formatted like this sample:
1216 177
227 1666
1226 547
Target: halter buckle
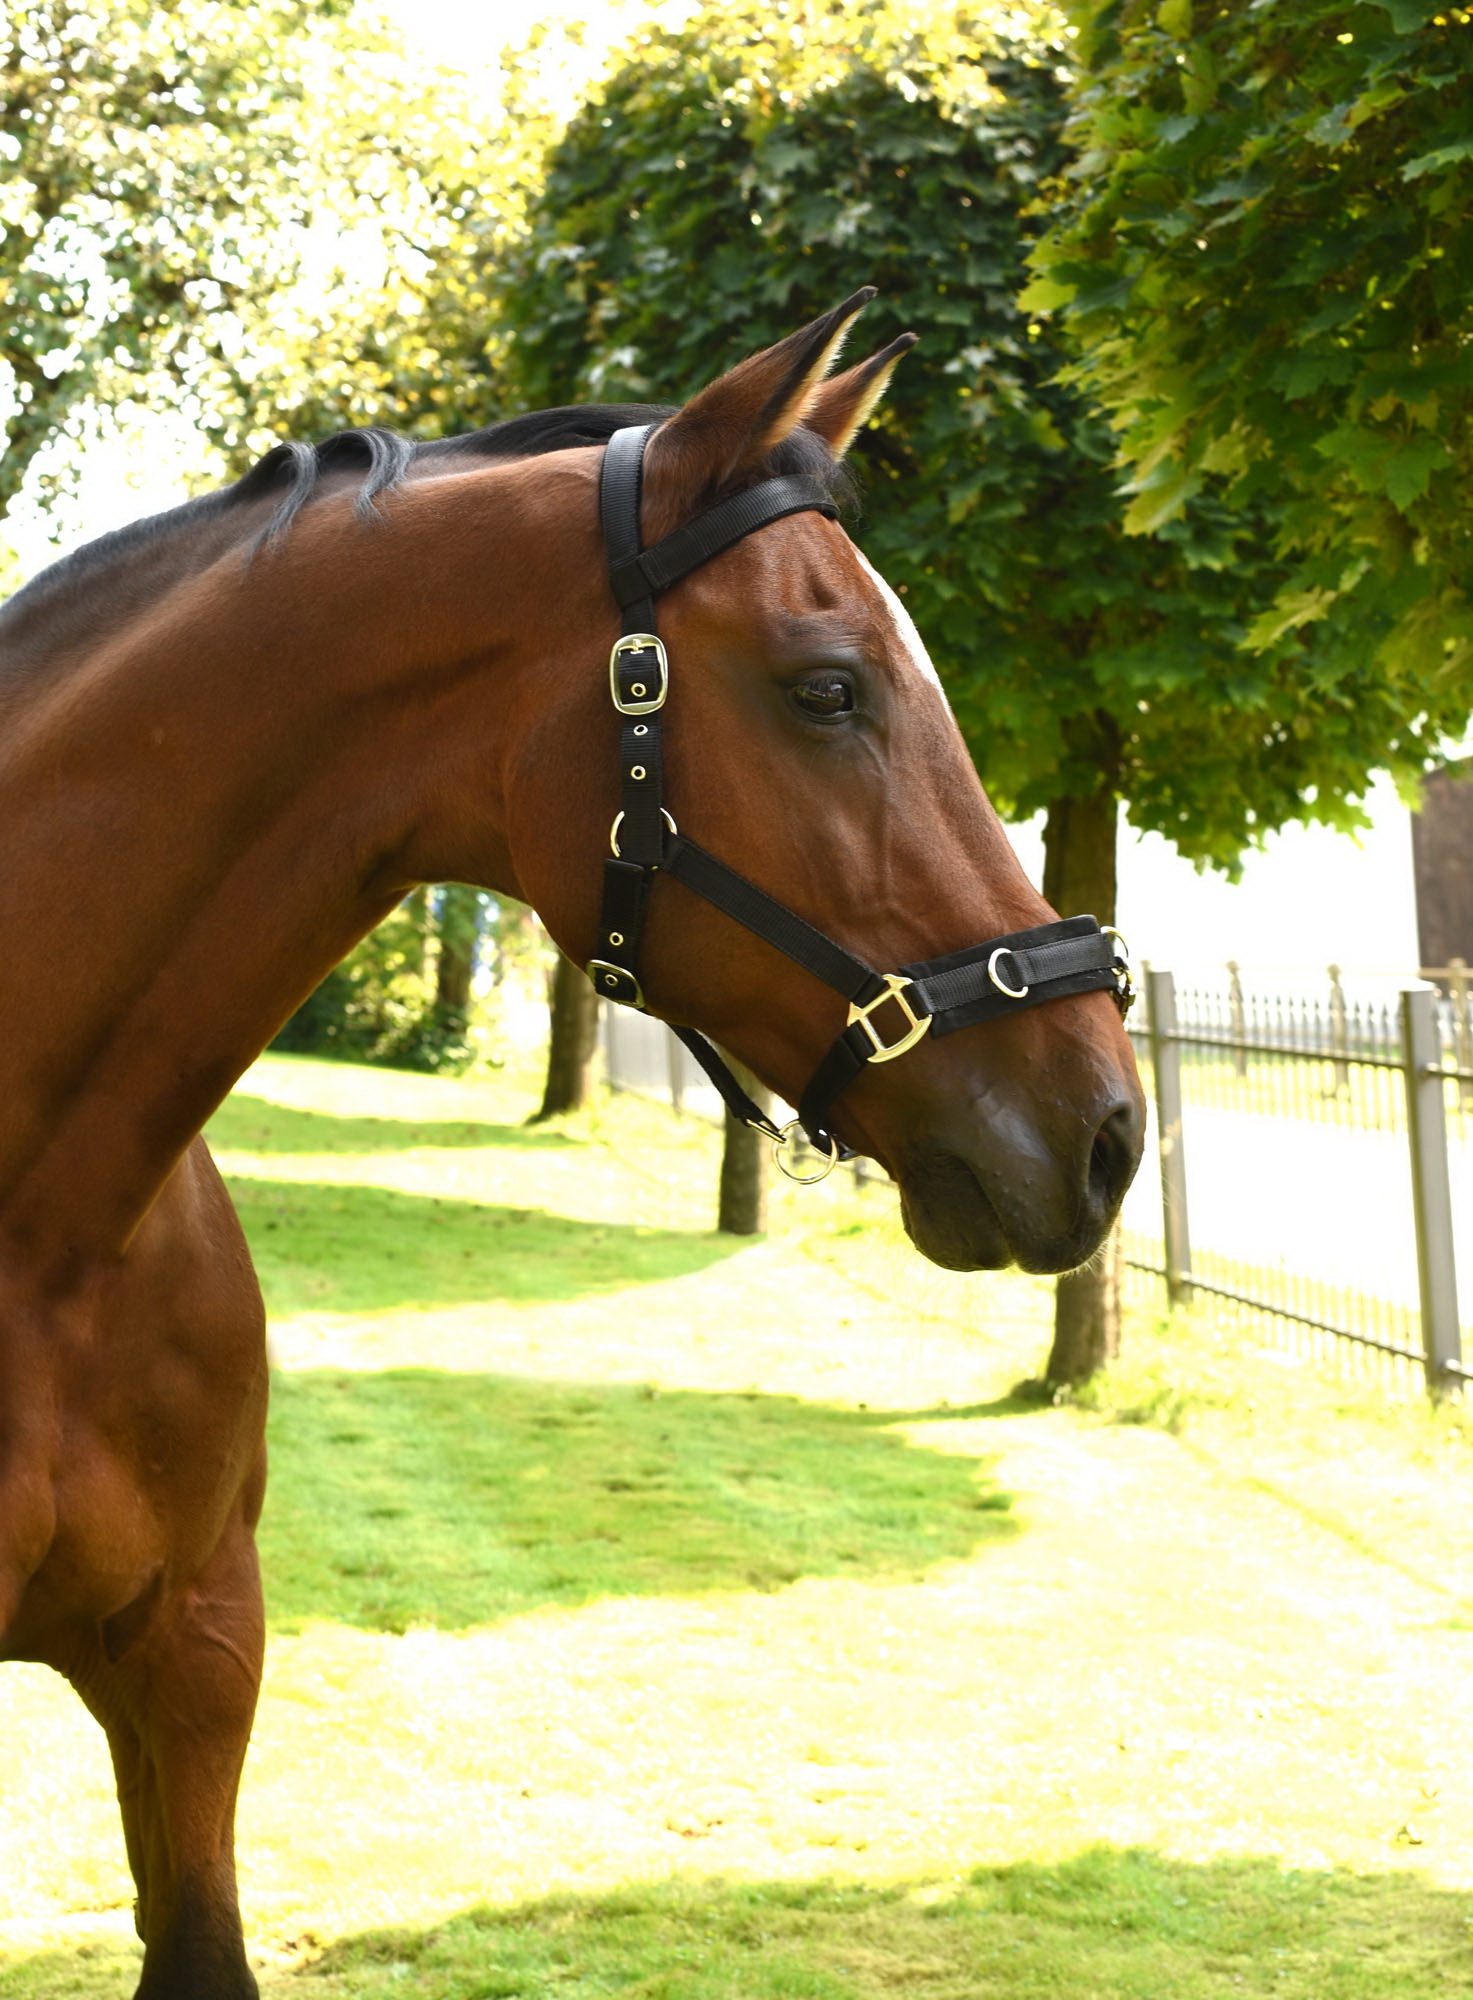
616 982
895 989
639 700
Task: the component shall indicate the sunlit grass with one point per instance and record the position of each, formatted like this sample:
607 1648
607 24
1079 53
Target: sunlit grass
662 1616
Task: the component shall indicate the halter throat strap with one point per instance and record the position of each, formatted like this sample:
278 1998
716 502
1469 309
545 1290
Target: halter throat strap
936 996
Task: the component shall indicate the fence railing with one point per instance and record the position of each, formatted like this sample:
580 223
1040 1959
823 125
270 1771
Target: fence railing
1308 1157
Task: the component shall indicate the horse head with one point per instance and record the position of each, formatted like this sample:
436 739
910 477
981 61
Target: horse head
807 744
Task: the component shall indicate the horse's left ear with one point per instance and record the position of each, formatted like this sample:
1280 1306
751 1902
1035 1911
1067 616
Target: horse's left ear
727 430
840 407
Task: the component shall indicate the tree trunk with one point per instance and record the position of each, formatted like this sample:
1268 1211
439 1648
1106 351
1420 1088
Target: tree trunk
573 1040
459 934
742 1209
1079 879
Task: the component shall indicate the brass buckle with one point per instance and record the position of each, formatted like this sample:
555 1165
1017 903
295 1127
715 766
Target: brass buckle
785 1139
895 986
606 975
644 703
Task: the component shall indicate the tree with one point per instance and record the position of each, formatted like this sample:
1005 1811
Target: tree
729 180
1264 250
741 1202
244 210
572 1040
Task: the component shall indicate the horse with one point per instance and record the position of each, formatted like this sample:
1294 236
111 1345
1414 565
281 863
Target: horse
234 736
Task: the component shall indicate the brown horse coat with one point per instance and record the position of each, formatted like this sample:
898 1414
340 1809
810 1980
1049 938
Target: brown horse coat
217 773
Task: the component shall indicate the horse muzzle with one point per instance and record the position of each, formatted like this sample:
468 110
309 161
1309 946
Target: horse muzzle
1008 1192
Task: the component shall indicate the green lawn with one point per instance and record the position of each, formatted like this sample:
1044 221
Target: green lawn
661 1616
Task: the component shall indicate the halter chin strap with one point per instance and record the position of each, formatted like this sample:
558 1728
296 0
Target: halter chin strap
936 996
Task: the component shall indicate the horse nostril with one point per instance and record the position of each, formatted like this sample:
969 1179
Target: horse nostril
1115 1154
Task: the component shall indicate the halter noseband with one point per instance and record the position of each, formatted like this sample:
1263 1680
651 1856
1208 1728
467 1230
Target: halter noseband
937 996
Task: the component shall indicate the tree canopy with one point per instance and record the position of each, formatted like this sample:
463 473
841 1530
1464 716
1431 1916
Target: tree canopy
236 209
736 177
1264 250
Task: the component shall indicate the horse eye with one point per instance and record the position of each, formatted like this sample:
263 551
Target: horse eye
825 696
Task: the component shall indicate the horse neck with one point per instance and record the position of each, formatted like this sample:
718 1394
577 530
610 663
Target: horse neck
204 810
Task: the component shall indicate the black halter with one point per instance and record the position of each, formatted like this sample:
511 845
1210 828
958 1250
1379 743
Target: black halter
938 996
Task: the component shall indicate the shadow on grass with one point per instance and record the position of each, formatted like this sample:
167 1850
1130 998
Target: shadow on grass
246 1124
1103 1925
335 1246
415 1497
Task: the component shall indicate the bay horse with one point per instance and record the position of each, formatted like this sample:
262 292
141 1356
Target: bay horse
231 739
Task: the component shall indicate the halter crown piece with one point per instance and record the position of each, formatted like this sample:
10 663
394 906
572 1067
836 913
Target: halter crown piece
1022 969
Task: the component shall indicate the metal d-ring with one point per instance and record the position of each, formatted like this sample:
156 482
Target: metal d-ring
619 821
1012 992
785 1138
1124 995
1109 930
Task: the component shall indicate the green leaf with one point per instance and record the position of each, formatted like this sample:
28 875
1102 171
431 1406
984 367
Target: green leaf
1286 614
1431 163
1044 294
1160 497
1407 16
1412 465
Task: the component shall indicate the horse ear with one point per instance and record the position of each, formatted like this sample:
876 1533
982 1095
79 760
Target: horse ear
730 427
838 408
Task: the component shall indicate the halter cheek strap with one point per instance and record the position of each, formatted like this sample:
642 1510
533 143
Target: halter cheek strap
936 996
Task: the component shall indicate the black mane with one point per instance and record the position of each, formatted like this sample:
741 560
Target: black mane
294 471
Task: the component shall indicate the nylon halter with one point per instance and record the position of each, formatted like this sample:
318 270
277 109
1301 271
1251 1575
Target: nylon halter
937 996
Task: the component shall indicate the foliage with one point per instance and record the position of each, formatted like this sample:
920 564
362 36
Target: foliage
381 1005
1265 256
736 177
244 210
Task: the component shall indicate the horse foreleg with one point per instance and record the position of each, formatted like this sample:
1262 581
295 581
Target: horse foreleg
177 1704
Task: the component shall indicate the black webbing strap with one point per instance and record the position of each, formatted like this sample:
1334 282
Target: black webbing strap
637 577
770 920
1021 969
1007 975
937 996
639 679
621 480
736 1100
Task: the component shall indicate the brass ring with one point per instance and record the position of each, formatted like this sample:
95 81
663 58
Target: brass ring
1012 992
619 821
784 1139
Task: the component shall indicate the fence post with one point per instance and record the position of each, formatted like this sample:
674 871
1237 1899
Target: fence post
1166 1068
1457 986
1339 1029
673 1052
1237 1016
1432 1203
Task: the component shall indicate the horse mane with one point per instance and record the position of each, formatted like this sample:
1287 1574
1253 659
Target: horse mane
294 471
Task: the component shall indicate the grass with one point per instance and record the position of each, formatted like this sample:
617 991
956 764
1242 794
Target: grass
659 1616
416 1498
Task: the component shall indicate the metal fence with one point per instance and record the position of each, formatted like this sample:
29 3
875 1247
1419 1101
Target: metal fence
1315 1155
1316 1161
